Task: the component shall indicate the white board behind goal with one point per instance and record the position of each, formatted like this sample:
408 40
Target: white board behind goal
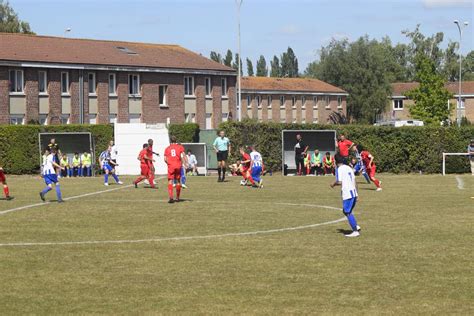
129 139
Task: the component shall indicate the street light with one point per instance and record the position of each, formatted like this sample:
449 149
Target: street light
239 90
458 109
68 30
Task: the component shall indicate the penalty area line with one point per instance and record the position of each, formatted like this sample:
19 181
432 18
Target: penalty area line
460 182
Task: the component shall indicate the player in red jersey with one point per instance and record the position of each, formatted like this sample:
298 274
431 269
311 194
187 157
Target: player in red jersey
245 166
344 146
151 167
3 180
174 158
370 166
144 167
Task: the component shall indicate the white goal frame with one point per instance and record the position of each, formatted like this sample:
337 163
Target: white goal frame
451 154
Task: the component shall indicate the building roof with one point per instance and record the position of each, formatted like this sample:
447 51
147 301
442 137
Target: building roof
288 84
400 88
59 50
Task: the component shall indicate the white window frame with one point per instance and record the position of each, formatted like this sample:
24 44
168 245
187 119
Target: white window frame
113 118
130 80
165 96
249 102
94 86
14 85
224 86
258 99
269 102
134 117
303 102
282 102
293 102
93 118
43 74
114 76
396 104
41 117
189 85
208 86
225 117
327 102
17 119
339 102
64 116
315 103
67 83
463 103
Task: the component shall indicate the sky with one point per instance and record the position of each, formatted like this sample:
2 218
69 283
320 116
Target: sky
267 27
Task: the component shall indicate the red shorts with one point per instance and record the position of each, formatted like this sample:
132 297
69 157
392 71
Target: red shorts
145 170
245 169
174 172
2 176
371 171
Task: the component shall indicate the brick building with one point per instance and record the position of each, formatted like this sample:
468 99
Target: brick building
291 100
54 80
399 105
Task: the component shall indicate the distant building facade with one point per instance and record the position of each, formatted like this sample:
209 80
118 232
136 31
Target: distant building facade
291 100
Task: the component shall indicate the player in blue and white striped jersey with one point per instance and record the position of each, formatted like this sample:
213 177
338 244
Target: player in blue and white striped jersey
48 171
256 167
108 165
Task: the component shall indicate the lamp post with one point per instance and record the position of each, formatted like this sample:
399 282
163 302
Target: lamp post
66 31
458 108
239 77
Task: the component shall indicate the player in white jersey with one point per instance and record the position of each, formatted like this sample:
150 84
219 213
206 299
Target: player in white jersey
50 176
256 167
345 177
107 164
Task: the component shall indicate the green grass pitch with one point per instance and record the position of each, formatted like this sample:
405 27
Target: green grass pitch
415 254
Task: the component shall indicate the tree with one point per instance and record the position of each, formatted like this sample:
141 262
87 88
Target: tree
289 64
468 66
249 68
262 69
228 58
431 96
9 21
275 67
216 57
235 64
450 67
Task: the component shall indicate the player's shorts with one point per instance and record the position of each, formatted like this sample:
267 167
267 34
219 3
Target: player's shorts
222 155
174 172
358 167
2 176
245 169
256 171
348 205
144 169
50 178
371 171
108 167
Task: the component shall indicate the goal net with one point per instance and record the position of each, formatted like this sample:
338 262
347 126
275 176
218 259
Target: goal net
455 163
200 151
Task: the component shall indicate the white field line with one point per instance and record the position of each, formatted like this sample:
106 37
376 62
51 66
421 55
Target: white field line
460 182
131 241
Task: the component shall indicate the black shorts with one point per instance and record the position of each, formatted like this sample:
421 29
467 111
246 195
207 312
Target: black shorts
222 155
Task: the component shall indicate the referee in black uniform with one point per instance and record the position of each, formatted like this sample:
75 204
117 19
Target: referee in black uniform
300 152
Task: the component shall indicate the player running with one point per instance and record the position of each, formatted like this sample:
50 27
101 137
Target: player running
370 166
50 176
144 167
345 177
108 166
244 166
174 158
256 166
359 166
3 180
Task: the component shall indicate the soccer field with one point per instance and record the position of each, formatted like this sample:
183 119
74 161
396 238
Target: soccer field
231 250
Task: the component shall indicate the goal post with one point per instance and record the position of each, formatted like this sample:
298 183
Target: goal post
200 151
451 154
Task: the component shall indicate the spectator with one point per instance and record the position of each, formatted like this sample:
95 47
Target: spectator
470 150
76 165
64 163
192 163
317 163
86 160
329 164
300 152
307 163
344 147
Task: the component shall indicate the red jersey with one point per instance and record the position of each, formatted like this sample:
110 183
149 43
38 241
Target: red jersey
366 156
246 157
143 153
149 154
344 146
173 154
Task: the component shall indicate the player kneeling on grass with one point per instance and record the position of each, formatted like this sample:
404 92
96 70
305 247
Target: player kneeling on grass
108 166
50 176
3 180
256 165
345 177
174 158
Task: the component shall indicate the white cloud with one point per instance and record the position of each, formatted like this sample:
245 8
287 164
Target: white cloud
447 3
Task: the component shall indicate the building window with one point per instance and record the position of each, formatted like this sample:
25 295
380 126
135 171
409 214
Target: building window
339 102
17 119
134 85
42 82
326 102
135 118
457 103
65 119
282 102
163 96
189 86
249 102
315 103
208 86
65 82
190 117
92 118
258 99
303 102
225 117
283 119
293 102
112 84
113 118
269 101
398 104
224 86
91 82
16 81
43 119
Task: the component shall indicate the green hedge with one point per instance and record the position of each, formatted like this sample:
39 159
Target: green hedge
19 143
397 150
186 133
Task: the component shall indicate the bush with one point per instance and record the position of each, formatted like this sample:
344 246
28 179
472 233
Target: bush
19 153
397 150
186 133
